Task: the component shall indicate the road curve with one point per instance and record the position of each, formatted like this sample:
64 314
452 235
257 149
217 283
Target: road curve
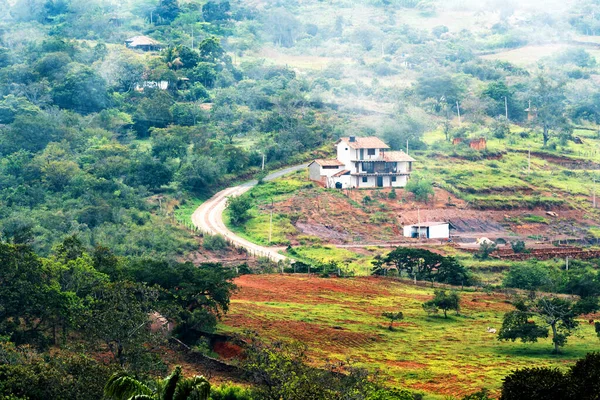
209 216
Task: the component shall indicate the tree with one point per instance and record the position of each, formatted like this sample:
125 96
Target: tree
210 49
167 10
533 276
214 11
393 316
122 386
535 384
580 382
119 318
444 301
485 249
281 371
555 313
83 91
238 207
500 127
421 188
548 103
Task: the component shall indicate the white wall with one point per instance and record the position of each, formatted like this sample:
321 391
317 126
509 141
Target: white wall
439 231
345 154
314 171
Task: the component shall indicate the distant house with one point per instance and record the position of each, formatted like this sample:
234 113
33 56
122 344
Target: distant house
428 230
363 162
144 43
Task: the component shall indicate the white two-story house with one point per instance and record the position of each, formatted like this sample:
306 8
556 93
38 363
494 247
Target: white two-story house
363 162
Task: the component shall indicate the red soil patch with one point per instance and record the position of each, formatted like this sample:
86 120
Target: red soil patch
314 335
306 289
227 350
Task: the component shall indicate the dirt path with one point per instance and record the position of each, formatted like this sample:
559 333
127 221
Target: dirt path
209 216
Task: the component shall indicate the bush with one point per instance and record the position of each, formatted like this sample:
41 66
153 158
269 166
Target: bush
229 392
518 246
214 242
238 209
421 188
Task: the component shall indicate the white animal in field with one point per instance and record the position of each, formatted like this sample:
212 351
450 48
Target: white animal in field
490 330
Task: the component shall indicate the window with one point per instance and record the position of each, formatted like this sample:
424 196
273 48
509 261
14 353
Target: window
346 149
371 152
368 167
393 179
365 179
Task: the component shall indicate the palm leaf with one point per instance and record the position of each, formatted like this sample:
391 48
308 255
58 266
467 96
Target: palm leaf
121 386
169 384
196 388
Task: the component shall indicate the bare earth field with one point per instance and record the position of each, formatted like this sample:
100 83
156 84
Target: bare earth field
341 319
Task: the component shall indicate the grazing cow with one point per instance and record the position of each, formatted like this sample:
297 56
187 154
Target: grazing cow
490 330
591 321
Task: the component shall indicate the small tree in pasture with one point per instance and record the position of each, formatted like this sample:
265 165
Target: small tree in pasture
443 301
393 316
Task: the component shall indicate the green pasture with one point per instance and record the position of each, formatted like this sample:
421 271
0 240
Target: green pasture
438 356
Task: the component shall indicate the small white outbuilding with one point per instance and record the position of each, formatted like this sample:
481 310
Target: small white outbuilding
428 230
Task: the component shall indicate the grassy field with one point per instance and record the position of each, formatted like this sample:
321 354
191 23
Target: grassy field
341 319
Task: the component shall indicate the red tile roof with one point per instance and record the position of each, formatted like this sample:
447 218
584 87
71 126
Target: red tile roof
338 174
370 142
329 163
392 156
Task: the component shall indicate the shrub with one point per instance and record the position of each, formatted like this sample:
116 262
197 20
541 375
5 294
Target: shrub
421 188
518 246
214 242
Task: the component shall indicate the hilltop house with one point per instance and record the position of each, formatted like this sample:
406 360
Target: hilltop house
362 162
144 43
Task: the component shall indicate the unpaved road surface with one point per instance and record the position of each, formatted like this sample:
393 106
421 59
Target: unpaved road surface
209 216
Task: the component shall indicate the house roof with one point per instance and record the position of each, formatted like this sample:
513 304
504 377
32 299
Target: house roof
429 223
370 142
141 41
397 156
329 163
338 174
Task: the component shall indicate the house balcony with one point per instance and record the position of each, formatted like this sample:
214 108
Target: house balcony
381 173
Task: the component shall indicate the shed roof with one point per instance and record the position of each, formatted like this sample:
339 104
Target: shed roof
370 142
338 174
328 163
397 156
429 223
142 41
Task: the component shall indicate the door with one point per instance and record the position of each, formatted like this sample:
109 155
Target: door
380 181
362 154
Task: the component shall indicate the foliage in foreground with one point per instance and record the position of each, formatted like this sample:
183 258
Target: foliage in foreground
281 371
580 382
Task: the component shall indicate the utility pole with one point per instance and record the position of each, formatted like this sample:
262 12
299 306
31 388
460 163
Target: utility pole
458 112
419 223
271 223
263 162
406 146
567 262
594 193
506 107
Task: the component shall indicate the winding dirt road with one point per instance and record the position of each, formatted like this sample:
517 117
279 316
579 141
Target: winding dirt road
209 216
